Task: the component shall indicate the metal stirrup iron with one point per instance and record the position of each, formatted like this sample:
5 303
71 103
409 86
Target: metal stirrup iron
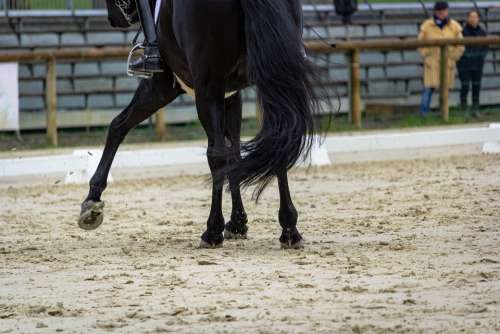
133 73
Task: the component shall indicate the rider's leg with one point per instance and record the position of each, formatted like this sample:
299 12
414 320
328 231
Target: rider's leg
151 60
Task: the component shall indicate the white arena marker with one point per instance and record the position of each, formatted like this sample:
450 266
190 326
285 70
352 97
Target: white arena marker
492 147
83 174
319 154
495 126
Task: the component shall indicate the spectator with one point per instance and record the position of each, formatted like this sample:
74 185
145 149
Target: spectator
470 66
439 26
346 8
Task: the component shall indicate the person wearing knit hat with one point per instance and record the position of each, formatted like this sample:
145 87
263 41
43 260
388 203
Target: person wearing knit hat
470 66
439 26
441 5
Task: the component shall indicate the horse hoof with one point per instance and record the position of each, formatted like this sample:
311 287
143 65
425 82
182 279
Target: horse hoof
298 245
228 235
207 245
211 240
230 232
91 216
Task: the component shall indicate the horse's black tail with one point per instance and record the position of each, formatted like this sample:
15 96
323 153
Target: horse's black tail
284 78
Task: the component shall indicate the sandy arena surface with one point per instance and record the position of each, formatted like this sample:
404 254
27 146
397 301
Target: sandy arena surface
402 246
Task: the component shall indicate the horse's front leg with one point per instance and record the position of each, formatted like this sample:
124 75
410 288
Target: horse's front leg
290 237
210 106
150 96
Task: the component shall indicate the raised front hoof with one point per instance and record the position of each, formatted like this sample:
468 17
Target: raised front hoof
91 215
232 232
291 239
211 241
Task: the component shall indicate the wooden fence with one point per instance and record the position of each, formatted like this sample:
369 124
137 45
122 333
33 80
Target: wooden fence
352 49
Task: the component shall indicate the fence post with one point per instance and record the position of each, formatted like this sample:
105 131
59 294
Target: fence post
443 84
51 101
160 127
355 88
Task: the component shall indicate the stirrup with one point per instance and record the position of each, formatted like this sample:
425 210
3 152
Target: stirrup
133 73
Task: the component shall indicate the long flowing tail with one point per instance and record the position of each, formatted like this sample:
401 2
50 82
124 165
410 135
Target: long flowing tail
284 80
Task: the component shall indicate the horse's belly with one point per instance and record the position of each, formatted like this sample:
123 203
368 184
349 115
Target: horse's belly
190 91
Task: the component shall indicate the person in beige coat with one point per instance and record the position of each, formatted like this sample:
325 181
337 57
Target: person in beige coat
439 26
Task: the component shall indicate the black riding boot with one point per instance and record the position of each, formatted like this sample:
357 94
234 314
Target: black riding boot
151 61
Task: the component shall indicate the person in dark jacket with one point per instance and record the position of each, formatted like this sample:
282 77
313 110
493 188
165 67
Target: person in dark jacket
346 8
470 66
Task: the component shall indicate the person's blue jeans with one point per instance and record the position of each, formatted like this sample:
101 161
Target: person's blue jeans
425 105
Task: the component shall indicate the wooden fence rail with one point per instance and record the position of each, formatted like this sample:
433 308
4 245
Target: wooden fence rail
351 48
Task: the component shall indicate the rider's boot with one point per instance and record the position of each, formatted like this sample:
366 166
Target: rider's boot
150 61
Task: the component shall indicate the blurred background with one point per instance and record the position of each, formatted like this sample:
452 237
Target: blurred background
91 93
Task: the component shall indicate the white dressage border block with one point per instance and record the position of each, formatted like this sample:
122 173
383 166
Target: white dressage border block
131 159
492 147
160 157
40 165
78 176
81 165
319 155
413 140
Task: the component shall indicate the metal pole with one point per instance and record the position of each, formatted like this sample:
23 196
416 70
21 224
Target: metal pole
51 101
355 88
443 84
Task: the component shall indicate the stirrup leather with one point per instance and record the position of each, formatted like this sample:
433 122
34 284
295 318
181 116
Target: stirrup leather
134 73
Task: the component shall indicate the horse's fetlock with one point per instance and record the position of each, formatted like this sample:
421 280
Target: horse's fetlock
288 217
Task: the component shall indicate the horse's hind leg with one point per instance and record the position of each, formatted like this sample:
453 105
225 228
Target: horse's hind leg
236 228
150 96
290 237
210 105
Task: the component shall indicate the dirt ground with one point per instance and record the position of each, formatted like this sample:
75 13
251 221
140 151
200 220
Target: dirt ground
402 246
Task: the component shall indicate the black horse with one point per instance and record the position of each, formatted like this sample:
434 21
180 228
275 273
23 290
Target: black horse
217 48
